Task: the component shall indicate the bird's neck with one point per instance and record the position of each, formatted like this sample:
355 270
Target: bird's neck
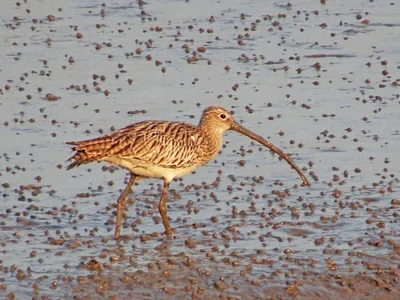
214 137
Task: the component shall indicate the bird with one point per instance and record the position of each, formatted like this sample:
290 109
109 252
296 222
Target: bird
165 150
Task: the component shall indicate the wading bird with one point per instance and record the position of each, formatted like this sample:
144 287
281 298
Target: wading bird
165 150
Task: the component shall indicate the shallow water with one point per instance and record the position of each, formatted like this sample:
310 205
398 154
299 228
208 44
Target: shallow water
320 81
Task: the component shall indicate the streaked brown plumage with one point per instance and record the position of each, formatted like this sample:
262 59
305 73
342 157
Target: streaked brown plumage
165 150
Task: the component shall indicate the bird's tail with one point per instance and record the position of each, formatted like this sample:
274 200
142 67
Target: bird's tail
80 157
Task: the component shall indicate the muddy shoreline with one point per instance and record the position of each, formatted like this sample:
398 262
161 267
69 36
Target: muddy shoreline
318 79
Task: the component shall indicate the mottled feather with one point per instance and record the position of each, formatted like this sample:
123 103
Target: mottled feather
163 143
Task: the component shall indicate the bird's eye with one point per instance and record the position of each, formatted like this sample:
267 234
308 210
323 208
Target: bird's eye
222 116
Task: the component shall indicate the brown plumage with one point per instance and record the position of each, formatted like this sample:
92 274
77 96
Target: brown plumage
165 144
165 150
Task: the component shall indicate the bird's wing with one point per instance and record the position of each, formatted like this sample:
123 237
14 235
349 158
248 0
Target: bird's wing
167 144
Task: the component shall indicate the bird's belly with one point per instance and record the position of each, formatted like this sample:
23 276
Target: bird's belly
145 169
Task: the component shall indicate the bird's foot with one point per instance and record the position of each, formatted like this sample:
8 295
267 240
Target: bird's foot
170 231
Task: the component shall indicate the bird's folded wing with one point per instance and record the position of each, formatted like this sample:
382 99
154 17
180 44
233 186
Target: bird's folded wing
167 144
159 149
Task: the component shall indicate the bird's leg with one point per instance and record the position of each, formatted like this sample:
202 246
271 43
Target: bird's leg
162 207
122 204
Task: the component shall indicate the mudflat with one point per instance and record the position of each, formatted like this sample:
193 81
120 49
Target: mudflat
320 80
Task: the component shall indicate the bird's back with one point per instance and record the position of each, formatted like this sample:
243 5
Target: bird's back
162 143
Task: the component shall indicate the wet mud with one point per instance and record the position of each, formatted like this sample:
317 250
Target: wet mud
319 79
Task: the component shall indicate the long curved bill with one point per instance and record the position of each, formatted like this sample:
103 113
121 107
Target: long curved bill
239 128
